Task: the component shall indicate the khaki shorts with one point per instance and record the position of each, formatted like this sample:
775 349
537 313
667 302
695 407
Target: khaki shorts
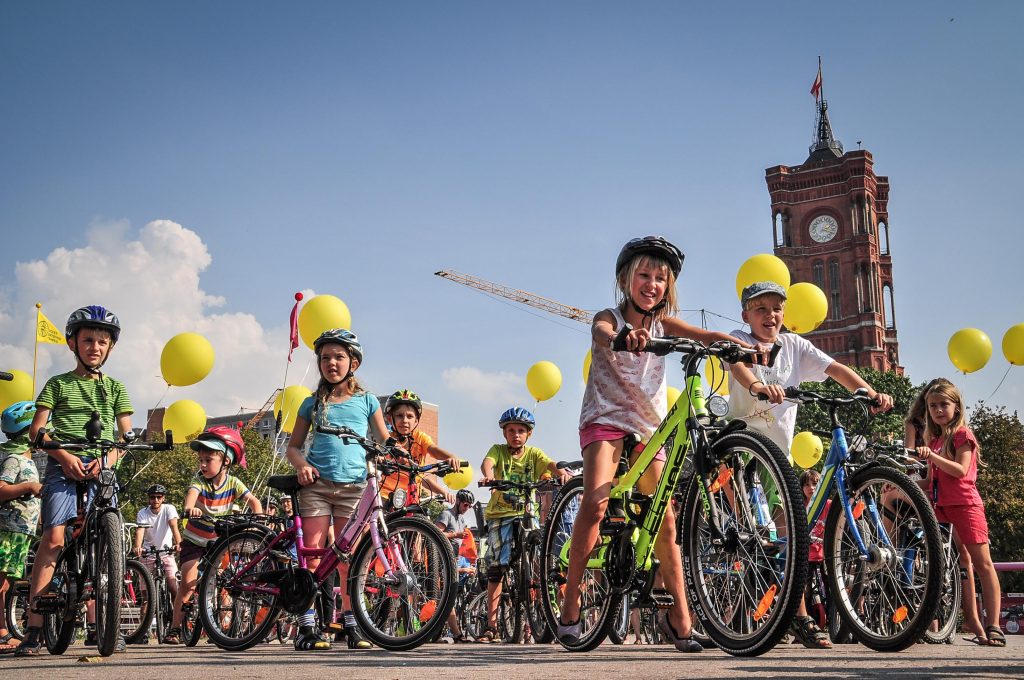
324 498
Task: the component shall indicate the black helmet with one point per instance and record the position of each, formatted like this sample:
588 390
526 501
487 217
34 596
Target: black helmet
650 245
156 490
93 316
465 496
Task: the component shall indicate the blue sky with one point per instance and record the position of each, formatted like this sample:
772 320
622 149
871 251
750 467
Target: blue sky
192 165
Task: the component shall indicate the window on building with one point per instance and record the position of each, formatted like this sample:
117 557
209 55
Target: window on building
819 274
888 312
834 299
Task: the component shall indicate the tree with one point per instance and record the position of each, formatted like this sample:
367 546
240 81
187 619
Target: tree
1001 438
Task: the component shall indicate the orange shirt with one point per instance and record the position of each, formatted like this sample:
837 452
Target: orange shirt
421 443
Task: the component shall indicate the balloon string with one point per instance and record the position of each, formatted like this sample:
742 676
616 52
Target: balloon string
1000 382
152 411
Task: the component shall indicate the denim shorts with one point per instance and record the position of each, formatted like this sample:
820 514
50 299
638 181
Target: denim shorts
60 495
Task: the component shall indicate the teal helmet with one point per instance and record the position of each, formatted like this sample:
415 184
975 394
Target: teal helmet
17 417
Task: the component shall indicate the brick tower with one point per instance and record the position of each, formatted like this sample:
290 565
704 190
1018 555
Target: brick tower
831 228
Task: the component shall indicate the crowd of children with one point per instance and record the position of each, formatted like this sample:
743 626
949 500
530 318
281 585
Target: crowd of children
625 393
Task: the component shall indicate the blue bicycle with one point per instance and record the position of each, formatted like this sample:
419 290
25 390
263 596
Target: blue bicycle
883 549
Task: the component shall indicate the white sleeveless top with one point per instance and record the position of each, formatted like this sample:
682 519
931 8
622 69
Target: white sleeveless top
626 391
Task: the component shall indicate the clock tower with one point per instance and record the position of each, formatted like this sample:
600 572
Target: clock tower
831 227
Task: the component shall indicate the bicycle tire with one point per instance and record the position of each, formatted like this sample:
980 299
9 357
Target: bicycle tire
510 609
539 628
405 612
191 623
108 581
138 602
746 609
884 604
598 600
474 622
950 612
620 631
164 610
59 626
235 619
16 611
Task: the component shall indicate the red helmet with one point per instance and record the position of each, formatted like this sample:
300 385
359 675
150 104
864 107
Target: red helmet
225 439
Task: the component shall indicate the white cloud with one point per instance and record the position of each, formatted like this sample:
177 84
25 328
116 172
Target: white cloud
152 282
486 389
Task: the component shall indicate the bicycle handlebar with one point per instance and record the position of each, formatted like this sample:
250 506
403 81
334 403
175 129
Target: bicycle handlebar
373 450
729 352
508 485
4 375
807 396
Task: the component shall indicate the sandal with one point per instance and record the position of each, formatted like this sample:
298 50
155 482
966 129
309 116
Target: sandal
809 634
979 640
461 638
995 636
173 637
682 644
487 637
32 645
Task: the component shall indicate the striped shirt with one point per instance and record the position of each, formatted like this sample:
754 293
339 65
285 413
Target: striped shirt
72 399
217 501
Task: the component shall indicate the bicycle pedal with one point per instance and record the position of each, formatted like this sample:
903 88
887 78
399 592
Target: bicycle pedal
614 526
334 627
48 604
659 599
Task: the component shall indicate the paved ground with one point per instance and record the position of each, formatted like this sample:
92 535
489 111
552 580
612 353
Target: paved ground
502 662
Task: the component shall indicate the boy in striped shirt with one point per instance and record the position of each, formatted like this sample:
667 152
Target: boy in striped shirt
213 493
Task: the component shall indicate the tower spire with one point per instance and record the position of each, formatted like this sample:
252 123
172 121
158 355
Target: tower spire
824 146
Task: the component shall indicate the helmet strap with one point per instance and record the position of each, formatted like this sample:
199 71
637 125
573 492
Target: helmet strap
647 314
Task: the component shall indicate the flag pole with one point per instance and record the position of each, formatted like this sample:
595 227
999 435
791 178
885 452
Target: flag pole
821 87
35 350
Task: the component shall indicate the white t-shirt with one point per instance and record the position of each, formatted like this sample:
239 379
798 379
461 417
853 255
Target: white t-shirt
798 361
159 531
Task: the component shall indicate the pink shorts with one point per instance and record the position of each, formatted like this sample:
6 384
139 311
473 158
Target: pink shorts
607 433
968 520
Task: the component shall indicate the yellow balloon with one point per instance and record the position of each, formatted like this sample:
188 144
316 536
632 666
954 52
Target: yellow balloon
287 403
1013 345
322 313
761 267
806 308
807 449
13 391
586 366
459 479
185 419
543 380
672 395
969 349
186 359
716 375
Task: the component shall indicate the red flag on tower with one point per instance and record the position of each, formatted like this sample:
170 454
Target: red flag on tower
816 87
294 328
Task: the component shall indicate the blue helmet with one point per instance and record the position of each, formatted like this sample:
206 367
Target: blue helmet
517 415
93 316
343 337
17 417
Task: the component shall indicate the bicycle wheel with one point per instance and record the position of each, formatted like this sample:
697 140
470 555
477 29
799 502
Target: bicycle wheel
191 624
16 610
745 585
539 628
109 581
403 610
138 602
889 599
620 631
474 621
59 623
598 601
510 610
236 617
164 612
948 617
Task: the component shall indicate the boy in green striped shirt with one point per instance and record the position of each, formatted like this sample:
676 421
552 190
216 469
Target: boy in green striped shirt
70 398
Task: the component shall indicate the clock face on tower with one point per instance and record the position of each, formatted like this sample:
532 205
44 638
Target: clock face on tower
824 228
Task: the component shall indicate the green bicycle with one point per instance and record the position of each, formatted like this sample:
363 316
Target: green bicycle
744 568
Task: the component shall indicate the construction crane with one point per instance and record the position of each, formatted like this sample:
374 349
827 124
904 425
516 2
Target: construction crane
520 296
260 413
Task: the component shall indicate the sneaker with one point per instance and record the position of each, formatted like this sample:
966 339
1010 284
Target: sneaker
120 646
309 640
356 639
569 633
448 640
90 637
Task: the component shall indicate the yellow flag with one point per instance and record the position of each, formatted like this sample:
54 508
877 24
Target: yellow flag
47 332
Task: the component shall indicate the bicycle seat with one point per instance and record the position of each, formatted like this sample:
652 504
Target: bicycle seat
286 483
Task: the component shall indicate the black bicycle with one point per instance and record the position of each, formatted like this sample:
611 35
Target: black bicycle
162 602
91 565
521 598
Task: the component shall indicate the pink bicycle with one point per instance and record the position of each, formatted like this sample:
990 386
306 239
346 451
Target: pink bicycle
402 578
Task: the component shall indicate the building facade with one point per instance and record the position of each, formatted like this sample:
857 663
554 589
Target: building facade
830 225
